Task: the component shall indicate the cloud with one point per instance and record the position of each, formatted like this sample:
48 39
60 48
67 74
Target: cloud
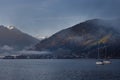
7 48
34 52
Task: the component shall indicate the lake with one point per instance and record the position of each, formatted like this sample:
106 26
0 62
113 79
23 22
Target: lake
58 69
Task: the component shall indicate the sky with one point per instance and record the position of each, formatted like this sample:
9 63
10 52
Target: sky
46 17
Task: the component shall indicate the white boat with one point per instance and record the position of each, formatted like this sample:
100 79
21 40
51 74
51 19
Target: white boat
99 63
106 60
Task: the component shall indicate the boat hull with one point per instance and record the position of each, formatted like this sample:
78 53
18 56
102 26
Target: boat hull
107 62
99 63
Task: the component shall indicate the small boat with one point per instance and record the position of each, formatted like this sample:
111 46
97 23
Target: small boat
106 60
100 62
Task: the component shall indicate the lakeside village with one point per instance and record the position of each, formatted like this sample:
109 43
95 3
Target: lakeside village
41 56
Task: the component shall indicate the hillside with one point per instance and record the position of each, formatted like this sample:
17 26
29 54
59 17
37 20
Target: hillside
82 40
12 38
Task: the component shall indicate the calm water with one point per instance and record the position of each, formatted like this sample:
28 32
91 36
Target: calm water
53 69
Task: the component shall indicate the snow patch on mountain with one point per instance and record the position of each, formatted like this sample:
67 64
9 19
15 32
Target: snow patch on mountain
10 27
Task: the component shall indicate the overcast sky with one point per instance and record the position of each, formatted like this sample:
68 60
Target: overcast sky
45 17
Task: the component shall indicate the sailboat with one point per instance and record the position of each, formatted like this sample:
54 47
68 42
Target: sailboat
106 60
99 62
104 41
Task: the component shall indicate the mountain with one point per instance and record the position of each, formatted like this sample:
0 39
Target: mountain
82 40
40 38
12 38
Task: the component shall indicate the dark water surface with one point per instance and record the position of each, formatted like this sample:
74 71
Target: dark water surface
58 69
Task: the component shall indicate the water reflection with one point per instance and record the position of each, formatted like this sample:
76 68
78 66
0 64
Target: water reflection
58 70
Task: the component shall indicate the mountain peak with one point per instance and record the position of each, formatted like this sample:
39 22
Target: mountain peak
13 28
10 27
94 21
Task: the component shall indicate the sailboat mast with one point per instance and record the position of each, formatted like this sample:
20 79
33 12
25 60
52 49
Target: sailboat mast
98 51
105 51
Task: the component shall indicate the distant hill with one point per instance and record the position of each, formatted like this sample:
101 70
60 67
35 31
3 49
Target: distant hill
82 40
12 38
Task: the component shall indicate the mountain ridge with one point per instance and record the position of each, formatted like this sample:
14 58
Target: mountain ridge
12 36
82 38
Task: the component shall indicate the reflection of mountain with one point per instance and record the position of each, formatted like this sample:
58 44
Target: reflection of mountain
81 39
14 38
